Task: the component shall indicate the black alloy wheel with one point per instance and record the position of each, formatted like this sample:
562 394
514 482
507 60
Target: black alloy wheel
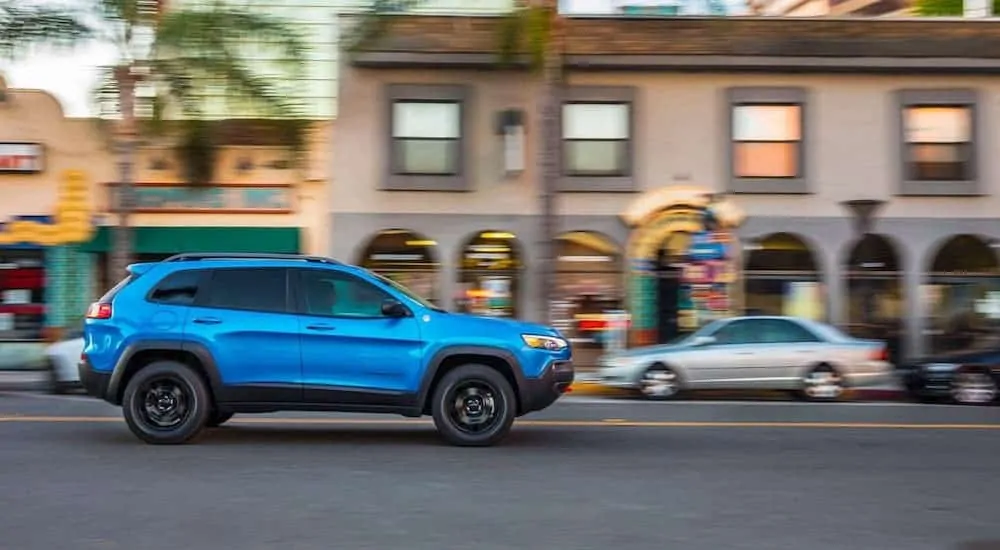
166 402
473 406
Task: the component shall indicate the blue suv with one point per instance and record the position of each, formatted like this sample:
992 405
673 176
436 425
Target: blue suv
187 342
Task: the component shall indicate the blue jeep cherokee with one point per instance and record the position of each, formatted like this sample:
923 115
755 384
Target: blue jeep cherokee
187 342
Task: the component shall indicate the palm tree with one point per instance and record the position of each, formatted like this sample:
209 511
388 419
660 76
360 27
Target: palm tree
533 29
182 59
945 8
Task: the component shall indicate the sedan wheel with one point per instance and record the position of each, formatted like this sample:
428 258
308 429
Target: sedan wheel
822 384
659 382
973 388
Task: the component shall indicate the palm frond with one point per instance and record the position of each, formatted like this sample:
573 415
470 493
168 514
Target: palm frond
525 31
945 8
23 27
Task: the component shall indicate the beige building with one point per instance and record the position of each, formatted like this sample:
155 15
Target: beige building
49 166
709 168
832 8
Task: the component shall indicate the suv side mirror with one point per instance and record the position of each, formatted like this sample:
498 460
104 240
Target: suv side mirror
392 308
703 341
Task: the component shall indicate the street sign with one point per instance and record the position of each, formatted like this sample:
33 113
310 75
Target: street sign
20 158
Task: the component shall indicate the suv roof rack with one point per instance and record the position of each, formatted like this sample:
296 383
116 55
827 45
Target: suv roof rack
189 256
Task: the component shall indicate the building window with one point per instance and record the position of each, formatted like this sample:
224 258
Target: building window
938 143
596 138
426 137
766 141
22 294
938 135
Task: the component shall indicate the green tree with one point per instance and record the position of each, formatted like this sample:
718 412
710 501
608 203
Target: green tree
945 8
529 36
172 65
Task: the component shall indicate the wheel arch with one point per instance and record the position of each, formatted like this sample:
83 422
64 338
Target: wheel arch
138 355
451 357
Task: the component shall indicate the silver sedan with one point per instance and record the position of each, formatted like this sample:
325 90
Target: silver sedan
813 359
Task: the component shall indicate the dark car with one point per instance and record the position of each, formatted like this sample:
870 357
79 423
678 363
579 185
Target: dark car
969 376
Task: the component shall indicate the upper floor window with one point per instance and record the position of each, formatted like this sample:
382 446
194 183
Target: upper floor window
938 143
767 141
938 151
426 137
596 139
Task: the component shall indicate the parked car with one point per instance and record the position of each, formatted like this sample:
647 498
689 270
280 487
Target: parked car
968 376
187 342
813 359
61 359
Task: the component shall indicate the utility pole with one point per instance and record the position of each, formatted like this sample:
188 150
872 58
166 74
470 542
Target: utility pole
549 151
125 142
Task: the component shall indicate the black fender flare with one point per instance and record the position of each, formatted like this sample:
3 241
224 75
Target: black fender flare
434 365
194 348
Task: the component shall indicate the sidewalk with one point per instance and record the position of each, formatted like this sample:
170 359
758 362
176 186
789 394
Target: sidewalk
23 380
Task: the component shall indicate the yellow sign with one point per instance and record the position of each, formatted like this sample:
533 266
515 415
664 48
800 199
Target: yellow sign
71 219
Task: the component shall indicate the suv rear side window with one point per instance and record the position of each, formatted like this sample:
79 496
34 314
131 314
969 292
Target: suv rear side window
253 289
179 288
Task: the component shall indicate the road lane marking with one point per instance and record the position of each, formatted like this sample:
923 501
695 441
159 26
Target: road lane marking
548 423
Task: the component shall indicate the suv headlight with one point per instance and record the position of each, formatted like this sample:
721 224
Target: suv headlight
550 343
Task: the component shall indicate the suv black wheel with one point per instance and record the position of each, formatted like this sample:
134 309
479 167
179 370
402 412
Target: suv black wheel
166 403
217 419
473 406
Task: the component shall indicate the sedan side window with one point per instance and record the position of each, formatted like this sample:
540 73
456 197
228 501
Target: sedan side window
779 331
735 333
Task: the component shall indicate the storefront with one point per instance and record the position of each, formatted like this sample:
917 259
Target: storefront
684 263
489 276
781 277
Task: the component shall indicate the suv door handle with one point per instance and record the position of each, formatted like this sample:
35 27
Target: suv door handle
323 327
207 321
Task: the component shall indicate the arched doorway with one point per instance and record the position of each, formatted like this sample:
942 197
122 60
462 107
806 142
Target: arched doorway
683 262
490 273
782 277
875 303
405 257
963 294
589 290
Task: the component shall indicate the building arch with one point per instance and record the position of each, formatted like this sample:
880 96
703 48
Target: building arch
962 293
782 276
490 265
875 301
406 257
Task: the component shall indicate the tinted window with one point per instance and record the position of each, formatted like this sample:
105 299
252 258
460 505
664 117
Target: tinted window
333 293
778 331
179 287
737 332
258 289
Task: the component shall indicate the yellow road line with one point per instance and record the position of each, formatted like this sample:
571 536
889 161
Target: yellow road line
608 422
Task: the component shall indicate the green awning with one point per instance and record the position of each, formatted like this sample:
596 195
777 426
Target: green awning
170 240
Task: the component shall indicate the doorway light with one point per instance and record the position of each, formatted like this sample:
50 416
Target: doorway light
421 243
497 235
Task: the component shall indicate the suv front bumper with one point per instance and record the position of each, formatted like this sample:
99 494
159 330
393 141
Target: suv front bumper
94 383
555 380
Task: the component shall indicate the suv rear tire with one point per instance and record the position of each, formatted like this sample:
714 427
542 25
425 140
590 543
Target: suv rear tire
166 403
473 406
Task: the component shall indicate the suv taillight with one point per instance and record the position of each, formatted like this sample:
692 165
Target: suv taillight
99 310
880 354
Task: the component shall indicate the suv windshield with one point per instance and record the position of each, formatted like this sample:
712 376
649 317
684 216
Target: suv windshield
409 293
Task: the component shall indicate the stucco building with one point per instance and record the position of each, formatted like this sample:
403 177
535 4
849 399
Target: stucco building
708 169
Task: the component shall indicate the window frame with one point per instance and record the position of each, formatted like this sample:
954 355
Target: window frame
394 140
206 279
300 304
939 97
620 183
427 93
764 97
289 303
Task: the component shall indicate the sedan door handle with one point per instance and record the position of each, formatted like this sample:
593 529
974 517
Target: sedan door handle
320 327
207 321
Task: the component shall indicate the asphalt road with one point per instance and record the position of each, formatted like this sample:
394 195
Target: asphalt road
583 475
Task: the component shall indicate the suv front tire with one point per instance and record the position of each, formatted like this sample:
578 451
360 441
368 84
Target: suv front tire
166 403
474 406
